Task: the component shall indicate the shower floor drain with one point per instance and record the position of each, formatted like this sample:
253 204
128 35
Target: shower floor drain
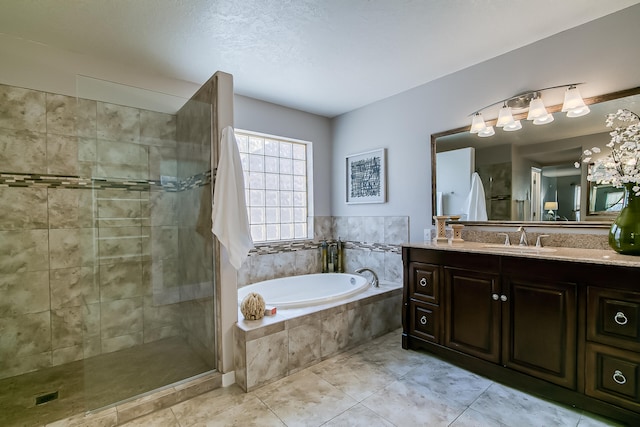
40 400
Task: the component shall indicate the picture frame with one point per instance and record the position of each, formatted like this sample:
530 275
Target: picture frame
366 176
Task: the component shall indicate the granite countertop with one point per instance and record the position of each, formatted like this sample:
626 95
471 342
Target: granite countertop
592 256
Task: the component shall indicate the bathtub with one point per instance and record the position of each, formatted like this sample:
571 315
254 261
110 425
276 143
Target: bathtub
306 290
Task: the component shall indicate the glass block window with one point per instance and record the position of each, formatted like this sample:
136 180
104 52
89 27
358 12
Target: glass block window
276 185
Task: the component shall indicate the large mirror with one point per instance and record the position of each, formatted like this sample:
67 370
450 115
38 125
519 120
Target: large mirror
529 175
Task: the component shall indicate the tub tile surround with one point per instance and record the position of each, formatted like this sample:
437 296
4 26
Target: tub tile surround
277 346
372 242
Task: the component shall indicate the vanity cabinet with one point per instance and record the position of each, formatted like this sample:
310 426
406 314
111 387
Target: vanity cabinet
523 323
561 329
613 346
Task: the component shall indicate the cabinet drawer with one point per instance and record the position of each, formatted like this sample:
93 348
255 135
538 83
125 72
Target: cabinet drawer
613 375
613 317
424 321
424 282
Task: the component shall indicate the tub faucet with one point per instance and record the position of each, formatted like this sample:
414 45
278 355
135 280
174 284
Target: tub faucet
374 282
523 236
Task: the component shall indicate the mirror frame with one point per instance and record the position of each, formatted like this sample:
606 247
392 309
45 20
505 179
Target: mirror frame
552 109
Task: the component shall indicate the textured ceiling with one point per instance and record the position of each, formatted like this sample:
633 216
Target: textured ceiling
326 57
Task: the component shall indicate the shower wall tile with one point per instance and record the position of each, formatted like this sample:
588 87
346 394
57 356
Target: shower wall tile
72 287
62 155
122 342
61 356
23 293
70 116
157 128
71 247
118 123
25 335
23 208
162 242
11 365
66 327
122 160
119 208
121 317
120 281
23 151
22 109
162 162
161 209
119 244
71 208
23 250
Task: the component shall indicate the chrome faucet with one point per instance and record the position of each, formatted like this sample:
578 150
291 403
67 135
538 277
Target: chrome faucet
375 283
523 236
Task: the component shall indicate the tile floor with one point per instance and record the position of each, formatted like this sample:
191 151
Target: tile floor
107 378
376 384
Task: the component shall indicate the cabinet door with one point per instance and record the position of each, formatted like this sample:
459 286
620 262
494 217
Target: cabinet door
472 307
540 321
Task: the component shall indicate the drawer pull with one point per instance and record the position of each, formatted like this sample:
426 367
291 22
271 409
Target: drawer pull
620 318
495 297
618 377
423 282
423 320
503 298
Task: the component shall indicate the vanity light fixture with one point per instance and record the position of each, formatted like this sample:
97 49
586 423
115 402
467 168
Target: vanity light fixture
573 105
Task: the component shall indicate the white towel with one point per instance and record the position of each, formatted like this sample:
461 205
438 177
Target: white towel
229 212
475 204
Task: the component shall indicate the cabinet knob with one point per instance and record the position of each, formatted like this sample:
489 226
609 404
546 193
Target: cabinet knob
618 377
423 282
423 320
495 297
620 318
503 298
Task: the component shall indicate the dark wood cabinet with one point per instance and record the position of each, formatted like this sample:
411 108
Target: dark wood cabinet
560 329
472 316
540 327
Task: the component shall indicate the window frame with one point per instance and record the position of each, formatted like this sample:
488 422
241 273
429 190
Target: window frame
309 183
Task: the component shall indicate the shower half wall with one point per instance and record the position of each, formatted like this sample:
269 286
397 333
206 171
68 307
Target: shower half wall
106 255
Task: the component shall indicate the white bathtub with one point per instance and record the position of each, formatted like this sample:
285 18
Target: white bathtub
306 290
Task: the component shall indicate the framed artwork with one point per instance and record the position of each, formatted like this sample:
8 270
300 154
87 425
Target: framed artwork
367 177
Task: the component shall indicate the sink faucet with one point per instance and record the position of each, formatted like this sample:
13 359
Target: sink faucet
523 236
375 283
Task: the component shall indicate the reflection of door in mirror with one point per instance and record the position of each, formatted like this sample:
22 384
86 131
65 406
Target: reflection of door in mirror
454 181
559 184
535 194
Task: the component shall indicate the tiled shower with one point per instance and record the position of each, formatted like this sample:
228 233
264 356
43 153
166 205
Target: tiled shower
106 255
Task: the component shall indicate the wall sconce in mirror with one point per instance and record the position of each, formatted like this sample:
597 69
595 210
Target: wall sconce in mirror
537 113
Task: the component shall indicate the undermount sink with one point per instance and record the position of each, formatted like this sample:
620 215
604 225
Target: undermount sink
519 249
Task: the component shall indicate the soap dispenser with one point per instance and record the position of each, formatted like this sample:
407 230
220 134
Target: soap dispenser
324 255
340 261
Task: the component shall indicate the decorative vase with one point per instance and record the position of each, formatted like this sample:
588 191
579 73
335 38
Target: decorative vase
624 235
